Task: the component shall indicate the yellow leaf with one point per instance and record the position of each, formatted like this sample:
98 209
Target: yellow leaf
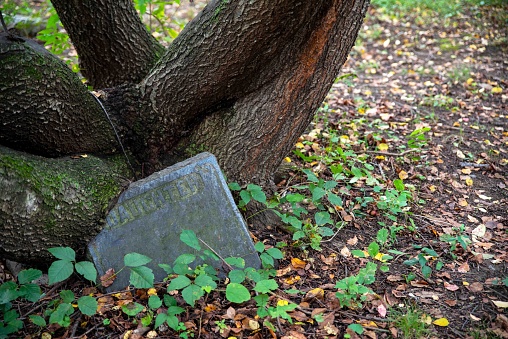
469 81
151 291
469 182
466 171
497 90
403 175
287 159
502 304
318 293
432 188
379 257
382 146
441 322
465 283
462 202
299 145
456 124
380 157
282 302
298 263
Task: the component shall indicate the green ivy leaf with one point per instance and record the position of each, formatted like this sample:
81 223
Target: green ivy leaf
29 275
88 305
141 277
59 271
245 196
87 270
61 315
192 293
260 247
265 286
172 322
63 253
399 185
135 259
189 238
237 293
185 259
357 328
178 283
358 253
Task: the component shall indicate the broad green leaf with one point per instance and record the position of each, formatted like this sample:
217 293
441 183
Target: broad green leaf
29 275
185 259
8 292
357 328
59 271
132 309
63 253
382 235
267 260
275 253
259 196
178 283
88 305
169 300
358 253
167 268
154 302
236 276
237 293
172 322
235 262
317 193
135 259
322 218
37 320
174 310
141 277
260 247
160 319
426 271
31 292
189 238
261 300
60 314
234 186
203 280
399 185
373 249
192 293
430 252
67 296
87 270
310 175
182 269
334 199
295 197
265 286
245 195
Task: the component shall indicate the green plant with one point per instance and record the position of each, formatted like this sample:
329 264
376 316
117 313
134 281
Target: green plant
410 321
352 290
458 238
423 260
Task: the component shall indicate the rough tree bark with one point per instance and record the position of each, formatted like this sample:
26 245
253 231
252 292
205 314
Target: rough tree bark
242 81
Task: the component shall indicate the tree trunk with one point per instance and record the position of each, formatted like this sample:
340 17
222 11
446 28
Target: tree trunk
242 81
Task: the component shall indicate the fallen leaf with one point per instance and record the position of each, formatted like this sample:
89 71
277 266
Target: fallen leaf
287 159
474 318
353 241
450 287
476 287
501 304
464 268
382 146
469 182
462 202
298 263
496 90
316 293
403 175
381 309
451 303
443 322
460 154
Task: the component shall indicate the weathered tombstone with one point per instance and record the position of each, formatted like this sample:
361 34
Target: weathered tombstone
150 215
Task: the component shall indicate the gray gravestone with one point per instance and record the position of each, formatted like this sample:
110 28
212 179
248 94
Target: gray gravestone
150 215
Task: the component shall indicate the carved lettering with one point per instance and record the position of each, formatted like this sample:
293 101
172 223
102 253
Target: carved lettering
148 202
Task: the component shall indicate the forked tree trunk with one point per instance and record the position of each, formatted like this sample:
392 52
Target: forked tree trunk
242 81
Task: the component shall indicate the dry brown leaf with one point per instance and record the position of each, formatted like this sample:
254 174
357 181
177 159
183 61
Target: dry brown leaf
451 287
298 263
476 287
353 241
464 268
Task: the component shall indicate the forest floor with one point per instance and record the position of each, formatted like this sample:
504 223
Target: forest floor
440 197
